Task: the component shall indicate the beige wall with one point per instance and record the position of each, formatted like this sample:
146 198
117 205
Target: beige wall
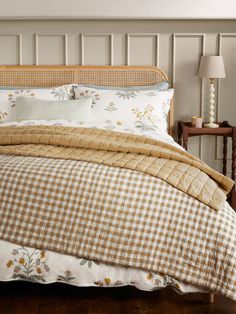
175 46
118 9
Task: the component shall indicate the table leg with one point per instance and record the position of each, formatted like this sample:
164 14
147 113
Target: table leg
211 298
180 133
233 154
225 143
185 138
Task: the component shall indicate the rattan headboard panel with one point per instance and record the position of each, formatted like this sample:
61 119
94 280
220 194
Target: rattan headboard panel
46 76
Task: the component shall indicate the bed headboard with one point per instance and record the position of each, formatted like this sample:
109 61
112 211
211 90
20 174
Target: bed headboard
47 75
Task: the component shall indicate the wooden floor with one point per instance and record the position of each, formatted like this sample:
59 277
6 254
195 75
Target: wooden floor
26 298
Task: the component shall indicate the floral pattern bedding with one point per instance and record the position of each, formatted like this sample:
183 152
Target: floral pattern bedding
141 109
29 264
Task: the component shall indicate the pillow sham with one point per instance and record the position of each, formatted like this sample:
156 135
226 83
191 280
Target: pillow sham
28 108
141 109
8 98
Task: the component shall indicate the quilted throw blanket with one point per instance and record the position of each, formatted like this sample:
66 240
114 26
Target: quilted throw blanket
116 198
162 160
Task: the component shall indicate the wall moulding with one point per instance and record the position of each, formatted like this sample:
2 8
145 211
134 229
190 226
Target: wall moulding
95 35
221 47
18 38
202 36
37 45
142 35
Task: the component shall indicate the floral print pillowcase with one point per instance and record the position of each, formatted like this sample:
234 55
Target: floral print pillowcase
144 110
8 98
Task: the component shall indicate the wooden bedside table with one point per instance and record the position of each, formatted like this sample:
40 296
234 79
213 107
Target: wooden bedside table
186 130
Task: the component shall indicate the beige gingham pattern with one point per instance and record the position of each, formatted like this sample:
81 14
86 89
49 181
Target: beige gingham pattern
116 216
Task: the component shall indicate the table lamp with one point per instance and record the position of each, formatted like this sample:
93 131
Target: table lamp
211 67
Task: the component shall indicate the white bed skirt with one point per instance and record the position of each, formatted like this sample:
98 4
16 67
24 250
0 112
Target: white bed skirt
29 264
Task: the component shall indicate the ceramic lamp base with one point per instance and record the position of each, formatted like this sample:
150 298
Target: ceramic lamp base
211 125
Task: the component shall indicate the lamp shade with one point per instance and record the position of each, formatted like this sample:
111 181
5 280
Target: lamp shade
211 67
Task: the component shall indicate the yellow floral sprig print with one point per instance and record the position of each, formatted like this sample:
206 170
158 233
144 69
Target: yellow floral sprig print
28 265
145 119
149 276
146 114
9 263
107 282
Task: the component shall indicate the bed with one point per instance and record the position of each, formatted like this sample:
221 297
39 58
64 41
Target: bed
86 206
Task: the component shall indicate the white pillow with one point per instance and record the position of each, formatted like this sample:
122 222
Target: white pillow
28 108
8 98
141 109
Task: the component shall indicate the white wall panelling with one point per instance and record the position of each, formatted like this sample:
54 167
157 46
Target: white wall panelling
14 48
100 55
176 46
228 51
187 35
51 48
189 75
226 86
153 49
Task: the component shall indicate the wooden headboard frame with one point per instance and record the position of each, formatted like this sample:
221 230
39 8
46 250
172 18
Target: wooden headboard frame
46 76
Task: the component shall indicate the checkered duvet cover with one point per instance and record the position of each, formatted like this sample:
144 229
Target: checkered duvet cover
117 216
